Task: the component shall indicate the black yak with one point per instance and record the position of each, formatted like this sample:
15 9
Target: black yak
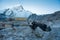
40 25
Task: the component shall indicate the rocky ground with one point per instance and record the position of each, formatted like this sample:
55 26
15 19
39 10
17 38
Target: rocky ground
25 33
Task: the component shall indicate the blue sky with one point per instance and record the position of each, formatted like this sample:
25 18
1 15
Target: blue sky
35 6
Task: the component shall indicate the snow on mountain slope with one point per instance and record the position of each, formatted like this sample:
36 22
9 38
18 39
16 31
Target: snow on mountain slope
17 11
20 12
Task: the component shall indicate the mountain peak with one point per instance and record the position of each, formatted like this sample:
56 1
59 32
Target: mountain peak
19 8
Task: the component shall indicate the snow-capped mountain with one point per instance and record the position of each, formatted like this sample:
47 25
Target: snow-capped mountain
21 12
17 11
